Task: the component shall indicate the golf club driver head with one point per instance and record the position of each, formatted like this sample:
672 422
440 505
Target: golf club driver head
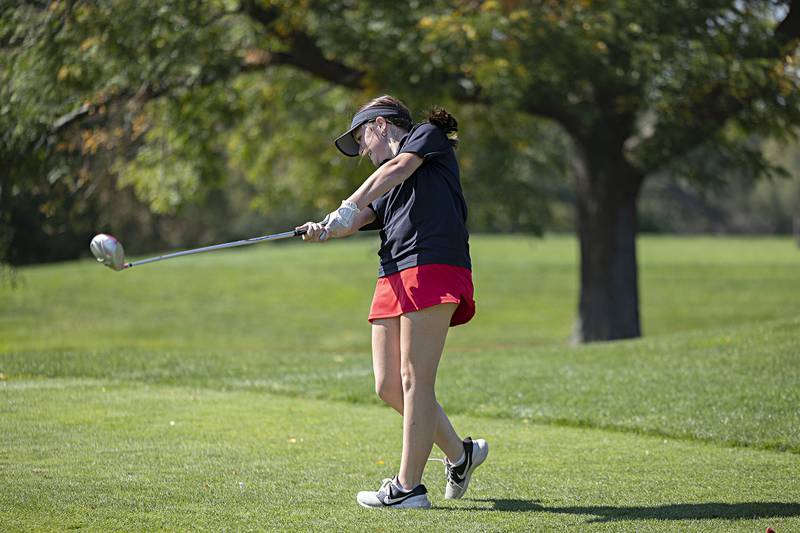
108 250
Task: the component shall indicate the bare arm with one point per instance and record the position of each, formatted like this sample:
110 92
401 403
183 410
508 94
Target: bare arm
387 176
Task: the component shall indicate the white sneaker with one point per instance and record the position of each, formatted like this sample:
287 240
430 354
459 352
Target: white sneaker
475 453
390 496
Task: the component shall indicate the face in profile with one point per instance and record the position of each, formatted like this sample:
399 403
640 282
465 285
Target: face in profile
373 142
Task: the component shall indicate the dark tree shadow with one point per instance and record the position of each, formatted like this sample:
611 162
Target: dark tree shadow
674 511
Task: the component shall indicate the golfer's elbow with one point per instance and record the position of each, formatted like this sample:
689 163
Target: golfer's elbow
392 174
389 175
401 168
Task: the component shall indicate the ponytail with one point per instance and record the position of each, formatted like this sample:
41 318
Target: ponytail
446 122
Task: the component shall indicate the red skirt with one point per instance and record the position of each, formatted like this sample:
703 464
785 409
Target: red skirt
424 286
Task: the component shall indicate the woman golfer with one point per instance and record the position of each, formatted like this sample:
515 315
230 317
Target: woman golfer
425 283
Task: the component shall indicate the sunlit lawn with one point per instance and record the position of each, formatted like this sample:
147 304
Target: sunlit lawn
233 391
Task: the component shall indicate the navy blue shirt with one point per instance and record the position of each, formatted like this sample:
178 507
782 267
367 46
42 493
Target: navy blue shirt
423 220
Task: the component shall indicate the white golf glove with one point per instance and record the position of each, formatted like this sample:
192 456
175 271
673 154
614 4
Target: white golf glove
339 223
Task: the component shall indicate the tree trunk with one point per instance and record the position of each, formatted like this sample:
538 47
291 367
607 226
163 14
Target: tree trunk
607 192
796 227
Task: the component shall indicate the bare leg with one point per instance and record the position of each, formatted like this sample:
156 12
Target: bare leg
422 336
389 386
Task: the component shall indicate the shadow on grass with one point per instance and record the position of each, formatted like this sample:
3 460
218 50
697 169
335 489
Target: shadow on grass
675 511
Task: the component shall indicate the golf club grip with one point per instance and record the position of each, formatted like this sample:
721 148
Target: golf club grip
300 232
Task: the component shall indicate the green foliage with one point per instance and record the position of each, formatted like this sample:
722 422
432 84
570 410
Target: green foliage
177 100
283 144
679 68
513 169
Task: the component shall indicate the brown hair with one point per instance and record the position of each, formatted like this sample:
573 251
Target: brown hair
446 122
437 116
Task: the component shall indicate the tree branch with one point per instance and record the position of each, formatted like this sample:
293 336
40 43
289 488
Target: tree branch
304 53
789 28
717 106
266 16
254 60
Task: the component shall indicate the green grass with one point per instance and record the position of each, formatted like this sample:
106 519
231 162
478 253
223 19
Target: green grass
104 456
295 297
696 426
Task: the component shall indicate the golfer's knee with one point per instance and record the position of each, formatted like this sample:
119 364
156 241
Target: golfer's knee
413 383
390 393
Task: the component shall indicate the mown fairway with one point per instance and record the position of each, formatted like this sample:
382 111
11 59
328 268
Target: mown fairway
233 391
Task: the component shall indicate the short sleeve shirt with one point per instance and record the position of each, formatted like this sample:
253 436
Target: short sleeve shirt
423 220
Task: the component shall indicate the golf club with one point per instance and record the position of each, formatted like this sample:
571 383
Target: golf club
109 251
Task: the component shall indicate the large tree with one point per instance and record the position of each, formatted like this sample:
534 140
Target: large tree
638 86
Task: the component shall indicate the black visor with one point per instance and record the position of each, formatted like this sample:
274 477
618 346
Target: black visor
347 144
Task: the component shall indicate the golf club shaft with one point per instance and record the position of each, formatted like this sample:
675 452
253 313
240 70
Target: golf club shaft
244 242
